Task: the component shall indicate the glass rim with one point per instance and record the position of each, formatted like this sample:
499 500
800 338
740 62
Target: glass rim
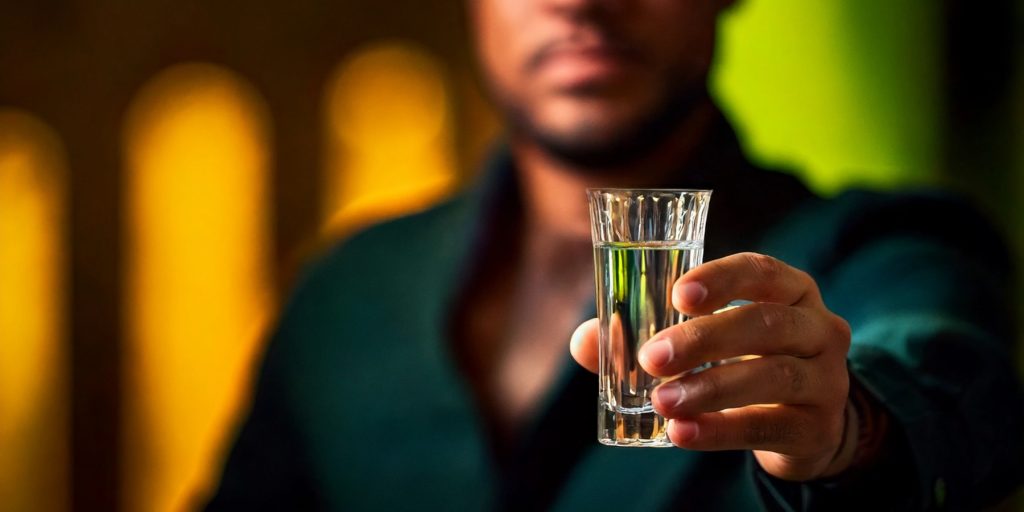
591 190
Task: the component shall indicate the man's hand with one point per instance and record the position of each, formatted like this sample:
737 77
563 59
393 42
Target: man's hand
786 405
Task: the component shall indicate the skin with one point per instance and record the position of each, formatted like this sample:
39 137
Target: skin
801 373
586 74
576 76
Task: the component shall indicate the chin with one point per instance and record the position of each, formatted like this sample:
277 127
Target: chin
599 131
595 139
603 113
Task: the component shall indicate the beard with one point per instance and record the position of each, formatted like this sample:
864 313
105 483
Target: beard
594 148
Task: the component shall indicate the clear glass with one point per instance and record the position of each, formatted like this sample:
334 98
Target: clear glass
644 240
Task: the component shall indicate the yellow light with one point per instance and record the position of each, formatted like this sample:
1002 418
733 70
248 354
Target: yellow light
198 292
389 136
33 383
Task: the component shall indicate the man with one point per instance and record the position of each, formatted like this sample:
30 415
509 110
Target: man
421 364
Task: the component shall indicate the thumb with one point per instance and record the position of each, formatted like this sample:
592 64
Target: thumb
583 345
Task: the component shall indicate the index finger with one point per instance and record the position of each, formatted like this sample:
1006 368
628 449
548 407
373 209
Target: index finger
747 276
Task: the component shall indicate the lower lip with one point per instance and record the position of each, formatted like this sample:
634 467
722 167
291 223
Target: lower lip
583 68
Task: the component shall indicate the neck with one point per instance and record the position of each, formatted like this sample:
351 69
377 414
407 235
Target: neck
553 190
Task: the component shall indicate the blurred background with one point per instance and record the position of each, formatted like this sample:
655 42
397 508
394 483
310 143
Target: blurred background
167 166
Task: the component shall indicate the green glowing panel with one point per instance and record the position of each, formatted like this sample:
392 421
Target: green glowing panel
842 93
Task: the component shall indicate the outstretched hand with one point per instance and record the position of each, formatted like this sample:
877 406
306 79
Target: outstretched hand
788 405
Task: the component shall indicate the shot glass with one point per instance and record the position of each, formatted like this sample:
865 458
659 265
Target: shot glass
644 240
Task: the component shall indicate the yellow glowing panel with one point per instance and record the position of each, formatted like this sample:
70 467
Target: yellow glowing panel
33 383
389 136
198 294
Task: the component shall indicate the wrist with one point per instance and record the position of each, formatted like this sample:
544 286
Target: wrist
864 434
847 450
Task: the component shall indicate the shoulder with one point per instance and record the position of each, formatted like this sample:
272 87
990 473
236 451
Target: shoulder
392 266
822 233
880 257
389 247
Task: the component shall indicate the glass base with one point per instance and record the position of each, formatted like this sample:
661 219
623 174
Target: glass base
637 443
640 427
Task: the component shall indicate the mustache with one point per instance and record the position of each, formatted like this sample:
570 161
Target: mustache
578 42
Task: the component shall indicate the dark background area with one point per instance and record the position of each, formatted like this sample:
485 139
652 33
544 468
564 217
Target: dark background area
78 65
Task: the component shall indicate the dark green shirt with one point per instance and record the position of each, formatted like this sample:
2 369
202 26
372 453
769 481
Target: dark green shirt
361 403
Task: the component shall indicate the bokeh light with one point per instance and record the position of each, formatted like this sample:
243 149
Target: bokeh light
197 277
389 136
34 408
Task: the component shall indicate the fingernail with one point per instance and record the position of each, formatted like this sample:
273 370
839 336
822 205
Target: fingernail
694 293
670 395
574 340
686 430
656 353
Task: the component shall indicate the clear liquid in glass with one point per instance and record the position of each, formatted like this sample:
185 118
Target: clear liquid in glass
634 288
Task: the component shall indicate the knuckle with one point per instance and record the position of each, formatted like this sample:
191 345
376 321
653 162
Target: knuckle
773 318
840 331
718 266
790 375
763 433
707 387
757 434
808 281
802 427
694 335
766 267
753 436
